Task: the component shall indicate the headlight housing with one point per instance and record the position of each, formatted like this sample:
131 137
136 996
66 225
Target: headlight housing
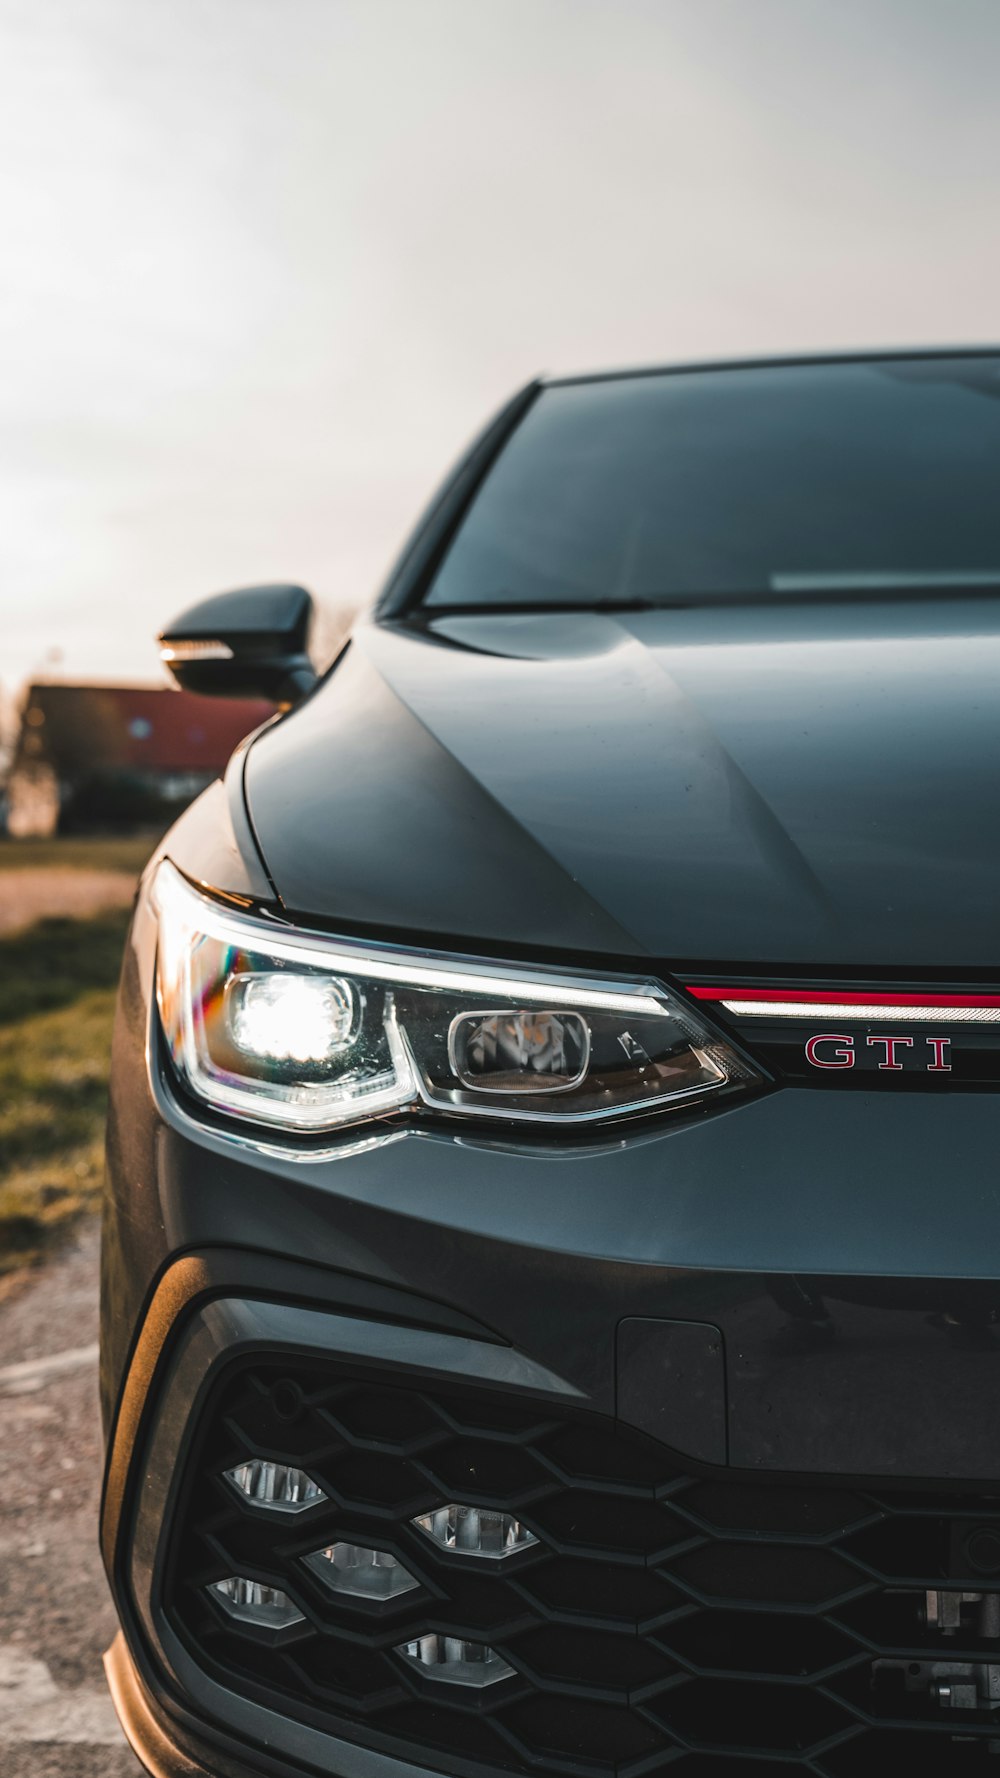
287 1028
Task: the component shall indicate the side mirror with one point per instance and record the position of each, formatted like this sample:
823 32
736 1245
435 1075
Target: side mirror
249 644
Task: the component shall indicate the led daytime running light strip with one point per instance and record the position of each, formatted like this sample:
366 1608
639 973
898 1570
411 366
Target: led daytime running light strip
172 890
784 1003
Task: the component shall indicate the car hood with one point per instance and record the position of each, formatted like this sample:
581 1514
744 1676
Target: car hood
813 788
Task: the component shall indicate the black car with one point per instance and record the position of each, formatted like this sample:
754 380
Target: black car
552 1249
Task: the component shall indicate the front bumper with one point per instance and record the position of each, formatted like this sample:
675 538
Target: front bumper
784 1302
672 1611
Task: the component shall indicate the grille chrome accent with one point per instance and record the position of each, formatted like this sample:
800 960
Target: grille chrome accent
475 1531
255 1602
280 1487
451 1661
356 1572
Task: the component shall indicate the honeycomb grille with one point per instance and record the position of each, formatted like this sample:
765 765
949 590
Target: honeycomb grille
662 1620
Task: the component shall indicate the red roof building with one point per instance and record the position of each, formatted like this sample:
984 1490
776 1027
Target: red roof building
96 756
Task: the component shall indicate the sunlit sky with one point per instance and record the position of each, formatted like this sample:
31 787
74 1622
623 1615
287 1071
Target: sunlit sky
266 264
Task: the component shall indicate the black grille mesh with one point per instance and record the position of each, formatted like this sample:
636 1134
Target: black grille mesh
663 1621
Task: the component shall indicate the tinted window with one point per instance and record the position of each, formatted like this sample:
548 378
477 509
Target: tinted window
792 479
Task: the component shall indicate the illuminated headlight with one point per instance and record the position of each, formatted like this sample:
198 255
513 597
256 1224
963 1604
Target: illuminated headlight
285 1027
291 1017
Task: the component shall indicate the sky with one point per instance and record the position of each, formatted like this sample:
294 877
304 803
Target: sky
265 265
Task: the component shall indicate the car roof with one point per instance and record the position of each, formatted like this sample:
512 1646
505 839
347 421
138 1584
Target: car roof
773 361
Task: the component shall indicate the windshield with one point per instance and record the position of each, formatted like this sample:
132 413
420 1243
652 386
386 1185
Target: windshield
789 480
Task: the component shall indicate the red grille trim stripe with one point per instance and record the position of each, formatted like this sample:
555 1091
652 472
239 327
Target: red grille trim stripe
823 996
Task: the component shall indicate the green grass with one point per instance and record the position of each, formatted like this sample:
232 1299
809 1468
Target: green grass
56 963
121 852
57 992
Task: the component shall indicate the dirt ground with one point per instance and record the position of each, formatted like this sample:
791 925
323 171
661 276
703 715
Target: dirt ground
28 895
56 1618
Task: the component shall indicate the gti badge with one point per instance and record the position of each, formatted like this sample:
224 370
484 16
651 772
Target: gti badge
831 1049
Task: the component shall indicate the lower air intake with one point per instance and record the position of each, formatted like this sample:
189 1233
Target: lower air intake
639 1619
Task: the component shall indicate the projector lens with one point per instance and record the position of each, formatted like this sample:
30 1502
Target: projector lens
292 1017
527 1051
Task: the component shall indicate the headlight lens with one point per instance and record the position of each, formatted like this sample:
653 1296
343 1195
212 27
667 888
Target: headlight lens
292 1029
